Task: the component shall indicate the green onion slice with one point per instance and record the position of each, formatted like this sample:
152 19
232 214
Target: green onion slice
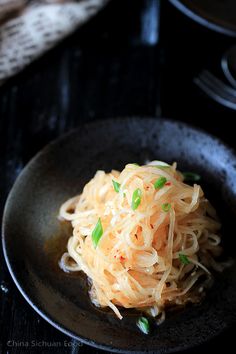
143 325
166 207
116 186
160 182
136 198
184 259
161 166
97 233
191 177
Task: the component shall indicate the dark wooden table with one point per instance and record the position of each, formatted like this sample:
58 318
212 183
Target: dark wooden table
136 57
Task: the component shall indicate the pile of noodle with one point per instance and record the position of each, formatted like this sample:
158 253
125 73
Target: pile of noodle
137 263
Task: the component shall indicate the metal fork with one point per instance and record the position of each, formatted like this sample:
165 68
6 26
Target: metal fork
216 89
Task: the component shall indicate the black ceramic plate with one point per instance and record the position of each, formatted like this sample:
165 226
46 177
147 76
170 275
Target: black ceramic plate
218 15
33 238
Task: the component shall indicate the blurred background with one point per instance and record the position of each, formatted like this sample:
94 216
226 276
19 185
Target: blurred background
130 58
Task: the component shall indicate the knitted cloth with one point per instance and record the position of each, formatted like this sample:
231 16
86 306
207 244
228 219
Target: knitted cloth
30 28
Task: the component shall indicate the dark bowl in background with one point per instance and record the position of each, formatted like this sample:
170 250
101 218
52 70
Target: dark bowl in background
217 15
34 239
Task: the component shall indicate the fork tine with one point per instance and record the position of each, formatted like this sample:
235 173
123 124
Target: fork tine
215 94
218 89
215 81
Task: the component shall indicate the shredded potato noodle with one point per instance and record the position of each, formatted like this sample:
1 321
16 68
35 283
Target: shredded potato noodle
149 250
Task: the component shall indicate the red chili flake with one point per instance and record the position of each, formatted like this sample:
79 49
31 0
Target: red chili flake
168 184
122 258
152 226
136 236
114 256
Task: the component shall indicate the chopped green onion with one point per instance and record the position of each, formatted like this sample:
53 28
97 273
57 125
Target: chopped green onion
191 177
161 166
116 186
136 198
166 207
143 325
160 182
184 259
97 233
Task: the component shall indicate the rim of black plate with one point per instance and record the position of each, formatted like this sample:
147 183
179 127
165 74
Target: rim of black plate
204 20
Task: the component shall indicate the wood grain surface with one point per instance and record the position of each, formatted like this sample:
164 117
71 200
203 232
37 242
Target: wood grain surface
136 57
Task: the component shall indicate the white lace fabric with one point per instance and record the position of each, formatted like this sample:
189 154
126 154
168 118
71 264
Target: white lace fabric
29 28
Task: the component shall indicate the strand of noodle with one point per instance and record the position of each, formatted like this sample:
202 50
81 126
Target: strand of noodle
199 265
111 305
161 284
64 264
189 286
171 236
63 213
159 222
214 240
191 250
